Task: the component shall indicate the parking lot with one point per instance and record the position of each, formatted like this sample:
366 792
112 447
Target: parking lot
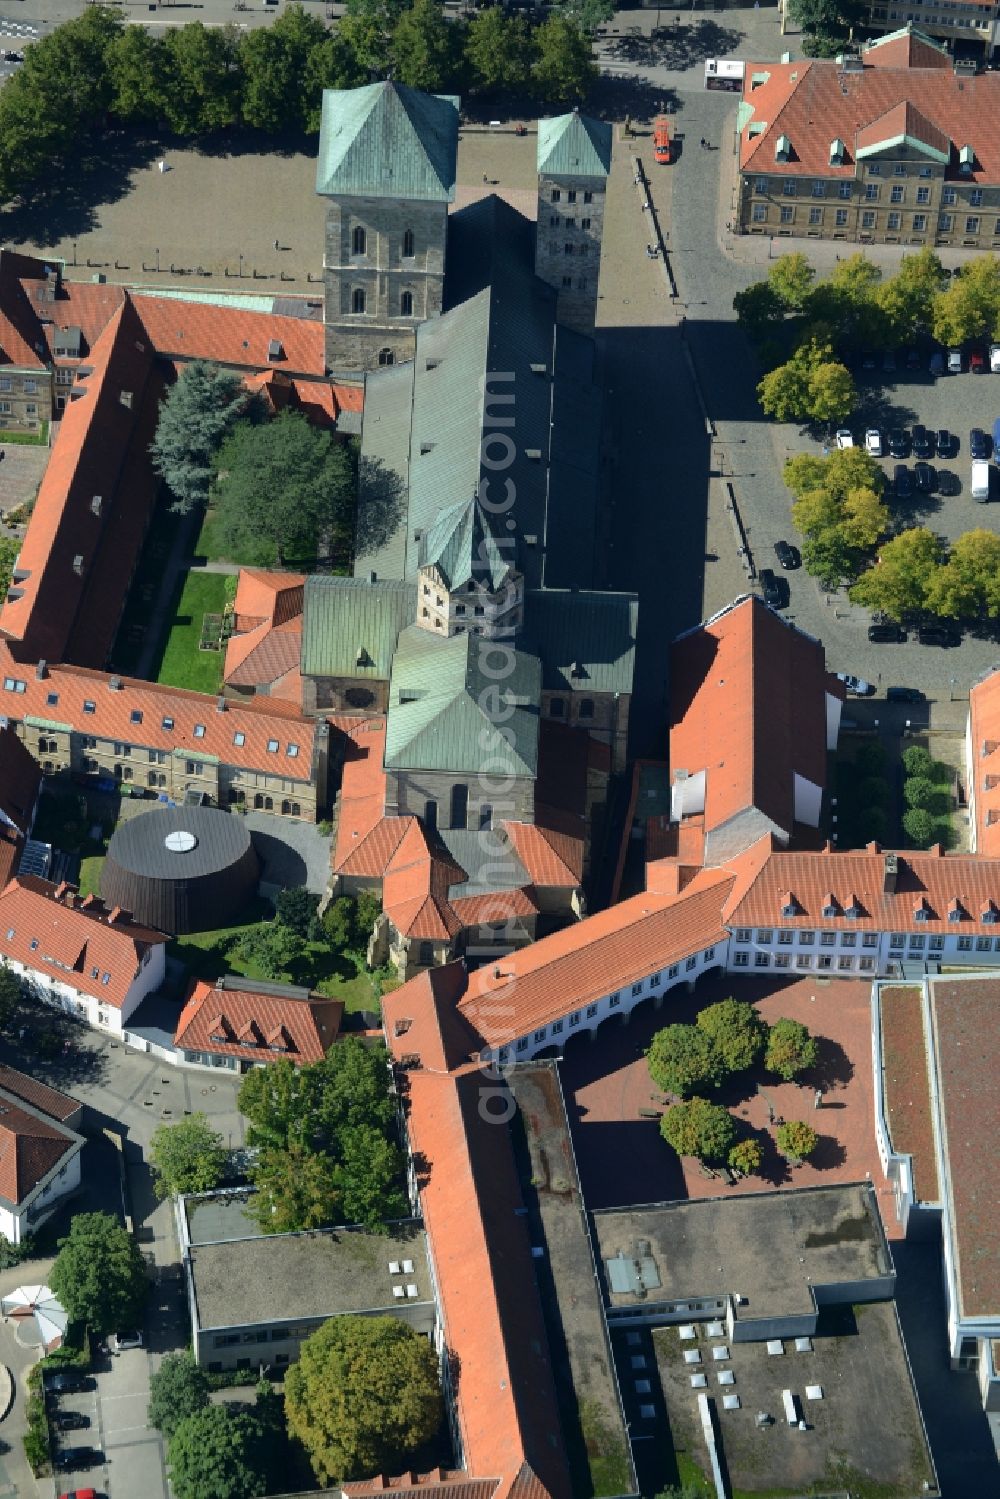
126 1456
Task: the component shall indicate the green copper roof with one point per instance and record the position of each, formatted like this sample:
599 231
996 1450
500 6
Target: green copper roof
586 641
453 708
387 141
350 626
462 547
573 146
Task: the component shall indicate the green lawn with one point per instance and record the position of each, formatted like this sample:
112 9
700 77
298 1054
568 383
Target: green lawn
209 543
210 547
90 874
182 663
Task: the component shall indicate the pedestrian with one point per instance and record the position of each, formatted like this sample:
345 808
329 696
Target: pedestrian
276 244
703 143
485 178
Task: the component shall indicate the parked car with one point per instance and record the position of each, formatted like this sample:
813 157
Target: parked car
868 360
77 1457
996 435
977 362
787 555
995 359
904 695
938 635
925 478
937 364
776 591
902 481
913 359
899 442
80 1494
949 484
923 442
69 1420
886 633
68 1382
954 361
889 362
979 443
855 685
119 1341
873 442
845 438
947 443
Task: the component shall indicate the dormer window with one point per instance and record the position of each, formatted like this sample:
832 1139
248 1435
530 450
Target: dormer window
921 914
783 149
837 153
955 912
830 908
789 905
966 160
988 915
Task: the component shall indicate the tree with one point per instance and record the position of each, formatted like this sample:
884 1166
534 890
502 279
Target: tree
368 908
564 70
354 1088
832 392
919 791
908 298
425 46
811 386
202 88
873 792
137 65
700 1129
274 60
285 490
790 1049
838 475
193 420
338 922
587 14
363 1397
99 1274
827 23
829 558
370 1177
871 758
367 30
746 1157
296 1189
917 761
10 995
498 51
791 278
901 580
272 947
296 909
865 519
919 827
178 1389
279 1103
683 1059
758 309
216 1453
332 63
188 1156
968 583
796 1139
736 1031
970 308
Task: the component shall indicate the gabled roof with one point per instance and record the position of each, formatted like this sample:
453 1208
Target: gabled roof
22 338
438 697
20 779
350 625
259 1022
231 335
574 145
30 1147
984 736
388 141
462 546
901 125
586 639
267 643
906 48
39 1096
53 930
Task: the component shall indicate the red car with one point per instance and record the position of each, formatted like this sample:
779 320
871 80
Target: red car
80 1494
977 362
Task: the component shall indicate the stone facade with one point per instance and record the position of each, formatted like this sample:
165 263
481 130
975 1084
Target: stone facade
25 398
383 275
361 695
963 19
442 799
568 244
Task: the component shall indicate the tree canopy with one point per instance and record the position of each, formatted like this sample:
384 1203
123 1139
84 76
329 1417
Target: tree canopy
193 420
363 1397
790 1049
700 1129
10 995
99 1274
900 583
218 1453
736 1031
683 1059
811 386
746 1157
188 1156
177 1389
796 1139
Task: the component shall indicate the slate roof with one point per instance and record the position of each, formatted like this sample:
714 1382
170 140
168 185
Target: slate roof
574 145
388 141
439 716
350 625
586 639
273 1018
462 545
814 103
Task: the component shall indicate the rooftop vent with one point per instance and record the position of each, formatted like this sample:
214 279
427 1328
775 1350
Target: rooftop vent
852 65
890 869
126 399
42 670
838 151
275 350
95 504
78 565
783 149
220 705
115 684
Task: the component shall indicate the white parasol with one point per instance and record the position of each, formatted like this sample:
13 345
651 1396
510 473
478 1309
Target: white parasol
40 1303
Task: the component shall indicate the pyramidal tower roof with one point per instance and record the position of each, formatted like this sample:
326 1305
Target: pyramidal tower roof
462 546
388 141
574 145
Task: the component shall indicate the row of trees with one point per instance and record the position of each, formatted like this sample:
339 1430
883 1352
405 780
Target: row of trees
829 25
839 510
926 792
707 1131
199 79
920 573
727 1038
362 1399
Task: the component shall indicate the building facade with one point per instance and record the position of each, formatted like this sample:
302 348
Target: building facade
574 161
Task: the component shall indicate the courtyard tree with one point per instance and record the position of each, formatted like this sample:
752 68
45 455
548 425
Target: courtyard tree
274 60
700 1129
498 51
355 1088
796 1139
279 1104
682 1059
99 1274
193 420
272 946
285 492
296 1189
790 278
218 1453
918 760
426 47
902 578
177 1389
188 1156
296 908
745 1157
10 995
790 1049
920 827
363 1397
736 1031
564 71
339 922
920 791
370 1175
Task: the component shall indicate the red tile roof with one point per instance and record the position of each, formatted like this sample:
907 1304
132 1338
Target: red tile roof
77 940
748 707
58 1106
29 1149
457 1485
231 336
422 1020
22 339
984 735
20 779
68 531
415 888
907 49
169 718
268 639
902 119
299 1027
815 103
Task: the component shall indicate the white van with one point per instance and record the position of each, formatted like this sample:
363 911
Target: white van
981 481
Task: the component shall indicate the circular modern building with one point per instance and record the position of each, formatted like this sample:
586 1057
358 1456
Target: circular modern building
181 869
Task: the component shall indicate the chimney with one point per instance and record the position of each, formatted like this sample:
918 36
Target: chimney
114 914
220 705
890 869
115 684
60 890
42 670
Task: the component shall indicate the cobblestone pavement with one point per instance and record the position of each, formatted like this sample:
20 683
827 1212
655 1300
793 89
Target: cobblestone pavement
621 1155
21 471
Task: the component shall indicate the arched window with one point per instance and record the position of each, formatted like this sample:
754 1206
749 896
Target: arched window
386 356
358 299
268 804
459 805
431 816
258 802
408 244
359 241
406 304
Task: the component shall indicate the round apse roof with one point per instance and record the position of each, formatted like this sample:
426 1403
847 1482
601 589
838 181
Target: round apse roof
182 843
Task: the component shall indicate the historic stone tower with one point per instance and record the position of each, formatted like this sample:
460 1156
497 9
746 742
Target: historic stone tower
574 159
387 167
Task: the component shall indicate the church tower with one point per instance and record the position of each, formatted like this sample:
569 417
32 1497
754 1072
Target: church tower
574 159
387 170
467 583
